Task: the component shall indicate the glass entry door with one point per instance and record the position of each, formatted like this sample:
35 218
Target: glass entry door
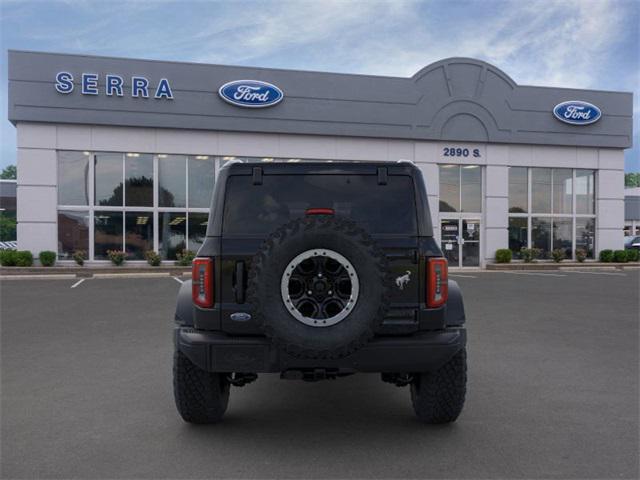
470 243
460 241
449 234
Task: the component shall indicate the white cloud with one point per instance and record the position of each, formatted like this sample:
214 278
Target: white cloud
541 42
570 43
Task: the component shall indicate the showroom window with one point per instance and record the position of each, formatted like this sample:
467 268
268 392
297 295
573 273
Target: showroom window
133 202
551 208
460 188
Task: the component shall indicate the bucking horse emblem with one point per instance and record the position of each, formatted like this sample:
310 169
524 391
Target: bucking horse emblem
402 280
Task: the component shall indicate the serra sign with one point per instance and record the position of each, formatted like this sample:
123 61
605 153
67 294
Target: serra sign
113 85
250 93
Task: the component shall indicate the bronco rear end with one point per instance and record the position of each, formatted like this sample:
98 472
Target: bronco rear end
314 271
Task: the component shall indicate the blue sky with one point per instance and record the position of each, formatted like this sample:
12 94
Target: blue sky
568 43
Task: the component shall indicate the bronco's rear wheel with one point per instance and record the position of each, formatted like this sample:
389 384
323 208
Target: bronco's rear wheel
319 287
438 397
201 396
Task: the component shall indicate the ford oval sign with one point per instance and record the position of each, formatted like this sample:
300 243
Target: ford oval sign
251 93
577 112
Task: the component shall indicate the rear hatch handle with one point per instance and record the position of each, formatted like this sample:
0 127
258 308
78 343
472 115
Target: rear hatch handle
239 285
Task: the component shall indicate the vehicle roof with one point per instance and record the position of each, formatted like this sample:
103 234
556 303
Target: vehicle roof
325 167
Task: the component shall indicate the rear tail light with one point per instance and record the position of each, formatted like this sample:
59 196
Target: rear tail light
202 282
437 282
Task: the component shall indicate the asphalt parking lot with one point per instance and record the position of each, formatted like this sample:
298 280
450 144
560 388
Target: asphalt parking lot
553 391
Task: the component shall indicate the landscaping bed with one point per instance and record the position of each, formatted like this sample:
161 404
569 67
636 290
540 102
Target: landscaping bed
90 270
560 265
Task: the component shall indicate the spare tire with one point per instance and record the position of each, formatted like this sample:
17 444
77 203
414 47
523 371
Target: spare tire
319 287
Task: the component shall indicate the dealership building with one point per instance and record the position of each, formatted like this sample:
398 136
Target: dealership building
117 153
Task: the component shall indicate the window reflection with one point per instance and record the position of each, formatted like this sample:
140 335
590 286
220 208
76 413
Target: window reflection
517 235
541 235
197 230
107 232
138 234
518 190
201 179
73 178
138 169
449 188
471 181
562 235
73 232
172 231
108 179
585 235
172 178
585 191
541 190
562 190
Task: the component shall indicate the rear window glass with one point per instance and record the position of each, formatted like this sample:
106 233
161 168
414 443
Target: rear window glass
260 209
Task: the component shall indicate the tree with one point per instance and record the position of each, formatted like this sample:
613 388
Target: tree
9 172
632 179
7 228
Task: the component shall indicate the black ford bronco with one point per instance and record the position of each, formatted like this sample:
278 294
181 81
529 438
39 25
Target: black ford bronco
317 271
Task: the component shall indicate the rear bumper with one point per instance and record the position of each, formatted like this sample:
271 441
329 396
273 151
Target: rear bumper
218 352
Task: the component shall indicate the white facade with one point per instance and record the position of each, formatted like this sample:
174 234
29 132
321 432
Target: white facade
37 170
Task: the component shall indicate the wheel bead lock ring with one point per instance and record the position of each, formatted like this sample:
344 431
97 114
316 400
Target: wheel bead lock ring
319 287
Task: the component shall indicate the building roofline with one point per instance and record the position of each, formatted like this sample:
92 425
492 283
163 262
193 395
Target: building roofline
421 72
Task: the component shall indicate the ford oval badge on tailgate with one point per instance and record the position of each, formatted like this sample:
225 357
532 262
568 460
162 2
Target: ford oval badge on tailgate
250 93
240 317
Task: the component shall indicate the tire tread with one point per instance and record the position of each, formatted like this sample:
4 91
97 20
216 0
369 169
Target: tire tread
201 397
438 397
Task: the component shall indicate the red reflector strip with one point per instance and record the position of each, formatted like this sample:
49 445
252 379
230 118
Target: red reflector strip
319 211
437 282
202 282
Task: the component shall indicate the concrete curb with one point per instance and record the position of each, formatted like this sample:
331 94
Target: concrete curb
562 266
39 277
89 272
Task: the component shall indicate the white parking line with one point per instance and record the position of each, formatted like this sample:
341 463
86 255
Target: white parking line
78 283
463 276
178 280
598 273
538 274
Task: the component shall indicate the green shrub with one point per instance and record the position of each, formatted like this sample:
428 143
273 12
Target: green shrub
80 256
503 255
530 254
526 254
606 256
47 258
558 255
185 258
153 258
117 257
581 254
620 256
24 258
633 255
8 258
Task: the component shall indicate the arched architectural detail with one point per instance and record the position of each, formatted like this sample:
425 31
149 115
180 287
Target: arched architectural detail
464 124
465 120
447 63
